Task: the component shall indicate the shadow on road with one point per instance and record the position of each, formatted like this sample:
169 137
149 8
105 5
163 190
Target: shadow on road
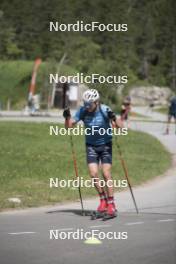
73 211
142 211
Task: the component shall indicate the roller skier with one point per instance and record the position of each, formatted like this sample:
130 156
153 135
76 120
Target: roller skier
98 147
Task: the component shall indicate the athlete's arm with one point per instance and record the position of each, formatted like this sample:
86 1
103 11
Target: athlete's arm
118 123
69 122
114 120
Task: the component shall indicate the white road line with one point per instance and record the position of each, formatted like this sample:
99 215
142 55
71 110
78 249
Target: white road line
134 223
65 229
93 226
21 233
166 220
102 226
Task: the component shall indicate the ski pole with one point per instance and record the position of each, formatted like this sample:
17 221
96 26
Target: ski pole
76 173
126 173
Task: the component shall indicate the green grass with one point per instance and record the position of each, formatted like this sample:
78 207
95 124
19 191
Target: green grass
30 156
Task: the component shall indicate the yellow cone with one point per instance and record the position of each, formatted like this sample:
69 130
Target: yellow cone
92 241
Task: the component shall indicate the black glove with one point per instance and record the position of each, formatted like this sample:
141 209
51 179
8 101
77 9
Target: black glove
66 113
111 115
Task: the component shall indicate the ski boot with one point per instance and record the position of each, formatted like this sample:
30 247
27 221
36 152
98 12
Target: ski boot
110 213
100 210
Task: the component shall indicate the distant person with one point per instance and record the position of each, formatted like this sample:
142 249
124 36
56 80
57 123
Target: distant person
125 109
171 113
34 104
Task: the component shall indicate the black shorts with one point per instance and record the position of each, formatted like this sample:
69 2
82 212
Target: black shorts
102 153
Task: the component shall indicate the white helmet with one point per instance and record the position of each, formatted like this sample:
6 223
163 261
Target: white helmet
91 96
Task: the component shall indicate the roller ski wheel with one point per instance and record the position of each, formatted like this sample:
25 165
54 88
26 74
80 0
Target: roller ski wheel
109 216
97 215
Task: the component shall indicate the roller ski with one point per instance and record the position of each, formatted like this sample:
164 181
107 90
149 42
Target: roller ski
110 213
97 215
109 216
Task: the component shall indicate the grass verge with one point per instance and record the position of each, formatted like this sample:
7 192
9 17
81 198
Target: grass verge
30 156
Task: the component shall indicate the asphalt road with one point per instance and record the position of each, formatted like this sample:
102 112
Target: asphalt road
151 235
151 239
